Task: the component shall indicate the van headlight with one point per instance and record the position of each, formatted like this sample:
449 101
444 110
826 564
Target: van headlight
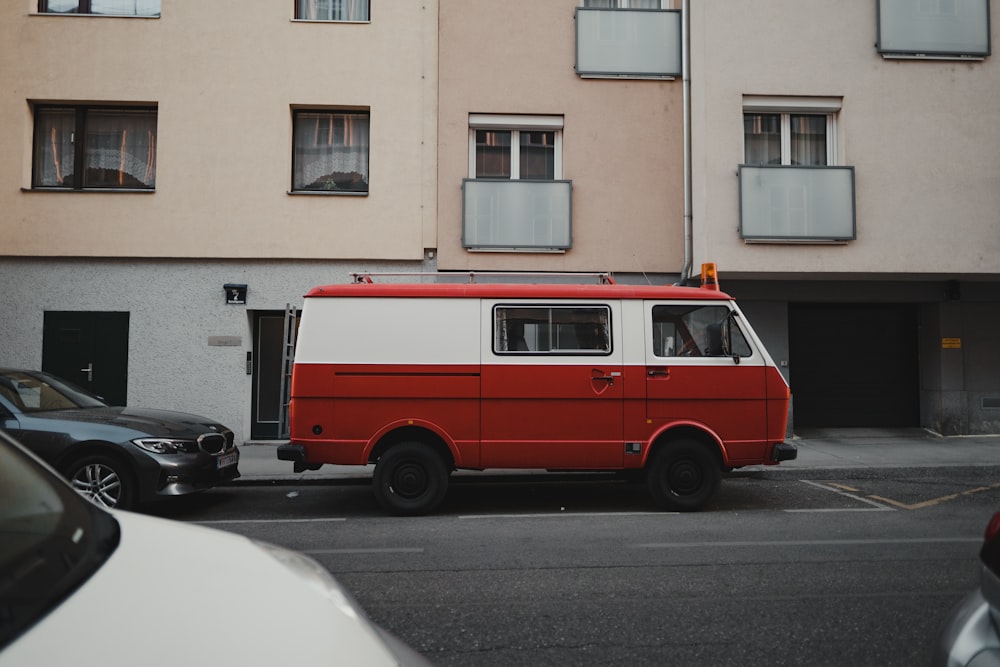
166 445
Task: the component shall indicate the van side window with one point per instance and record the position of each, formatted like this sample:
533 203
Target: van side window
697 331
552 330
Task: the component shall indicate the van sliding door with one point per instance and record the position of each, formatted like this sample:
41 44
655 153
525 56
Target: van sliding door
552 385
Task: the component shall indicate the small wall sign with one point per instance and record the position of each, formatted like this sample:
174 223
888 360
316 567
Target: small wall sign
225 341
236 295
951 343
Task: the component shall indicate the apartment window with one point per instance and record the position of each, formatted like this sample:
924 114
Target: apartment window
332 10
515 147
330 151
86 146
797 131
792 188
103 7
626 4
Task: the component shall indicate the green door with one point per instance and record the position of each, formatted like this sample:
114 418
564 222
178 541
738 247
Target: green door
90 349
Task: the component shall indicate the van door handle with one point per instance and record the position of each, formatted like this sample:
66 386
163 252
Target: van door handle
609 378
655 372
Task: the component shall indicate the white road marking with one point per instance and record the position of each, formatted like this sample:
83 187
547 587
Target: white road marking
875 507
809 543
217 521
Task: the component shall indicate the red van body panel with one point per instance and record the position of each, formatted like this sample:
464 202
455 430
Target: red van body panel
377 360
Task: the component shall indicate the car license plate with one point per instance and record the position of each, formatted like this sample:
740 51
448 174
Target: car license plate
226 460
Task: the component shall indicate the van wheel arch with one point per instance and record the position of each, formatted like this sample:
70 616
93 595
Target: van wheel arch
411 474
684 471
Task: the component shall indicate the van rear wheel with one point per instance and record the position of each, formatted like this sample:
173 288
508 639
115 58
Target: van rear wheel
683 476
410 479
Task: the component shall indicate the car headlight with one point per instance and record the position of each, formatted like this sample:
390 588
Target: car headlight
166 445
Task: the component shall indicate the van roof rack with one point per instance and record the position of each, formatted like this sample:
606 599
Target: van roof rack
603 277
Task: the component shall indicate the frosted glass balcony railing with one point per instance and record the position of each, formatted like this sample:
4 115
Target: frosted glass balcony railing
785 203
516 215
640 43
957 28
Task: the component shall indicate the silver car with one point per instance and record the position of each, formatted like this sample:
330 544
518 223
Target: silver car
971 635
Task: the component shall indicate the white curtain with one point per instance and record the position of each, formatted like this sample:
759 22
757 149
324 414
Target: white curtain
808 140
121 148
331 151
126 7
333 10
762 138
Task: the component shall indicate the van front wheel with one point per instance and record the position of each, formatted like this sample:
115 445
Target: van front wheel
683 476
410 479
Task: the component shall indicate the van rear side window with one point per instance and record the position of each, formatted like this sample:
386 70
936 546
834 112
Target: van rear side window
697 331
582 330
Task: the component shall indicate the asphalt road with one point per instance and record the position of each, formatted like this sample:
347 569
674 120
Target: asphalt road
828 567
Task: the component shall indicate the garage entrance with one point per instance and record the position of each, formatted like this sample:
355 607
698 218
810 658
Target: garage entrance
854 365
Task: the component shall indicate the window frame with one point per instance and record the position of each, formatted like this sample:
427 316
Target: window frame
366 114
84 8
81 114
607 325
827 107
626 4
297 15
696 345
515 124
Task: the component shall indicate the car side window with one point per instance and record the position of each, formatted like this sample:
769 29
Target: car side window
582 330
697 331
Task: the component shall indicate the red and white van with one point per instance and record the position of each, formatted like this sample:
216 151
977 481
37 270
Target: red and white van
423 379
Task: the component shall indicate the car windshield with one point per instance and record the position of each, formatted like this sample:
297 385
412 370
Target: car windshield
40 392
51 540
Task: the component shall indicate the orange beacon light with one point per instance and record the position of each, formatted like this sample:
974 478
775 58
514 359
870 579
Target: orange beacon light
709 276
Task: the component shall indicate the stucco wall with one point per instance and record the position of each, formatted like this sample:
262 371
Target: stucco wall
225 81
174 307
923 136
622 140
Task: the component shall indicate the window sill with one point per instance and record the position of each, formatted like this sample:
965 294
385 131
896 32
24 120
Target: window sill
94 16
144 191
330 21
790 241
328 193
627 77
550 251
934 56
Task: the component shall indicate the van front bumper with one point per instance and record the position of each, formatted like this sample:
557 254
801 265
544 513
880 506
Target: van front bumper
784 451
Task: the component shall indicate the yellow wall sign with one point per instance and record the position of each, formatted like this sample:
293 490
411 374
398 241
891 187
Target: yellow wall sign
951 343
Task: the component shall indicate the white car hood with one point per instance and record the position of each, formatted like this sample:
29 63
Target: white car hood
174 593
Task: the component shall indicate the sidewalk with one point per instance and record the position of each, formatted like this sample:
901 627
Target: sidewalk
818 449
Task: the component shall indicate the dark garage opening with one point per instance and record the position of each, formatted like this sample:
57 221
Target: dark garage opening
854 365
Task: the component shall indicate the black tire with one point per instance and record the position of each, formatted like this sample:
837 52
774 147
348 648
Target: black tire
410 479
104 479
683 476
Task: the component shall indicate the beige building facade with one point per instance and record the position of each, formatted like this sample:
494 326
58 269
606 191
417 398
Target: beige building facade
173 181
845 179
